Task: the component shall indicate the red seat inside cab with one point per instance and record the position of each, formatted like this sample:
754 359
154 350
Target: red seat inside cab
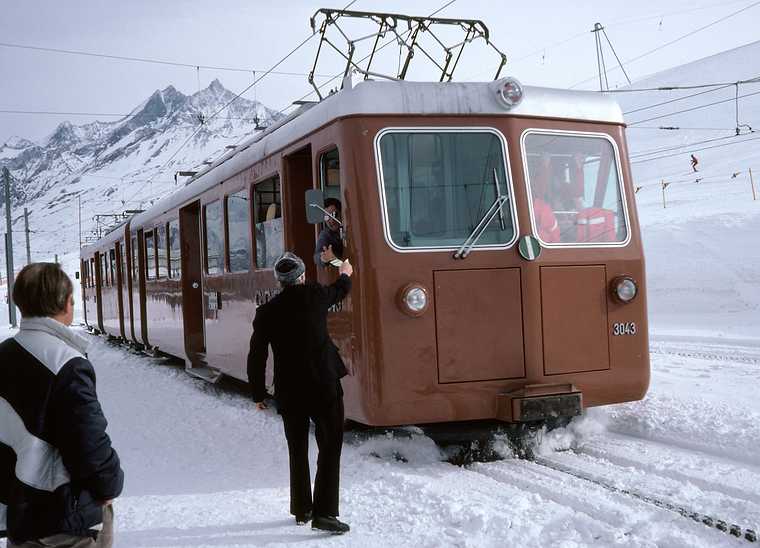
595 224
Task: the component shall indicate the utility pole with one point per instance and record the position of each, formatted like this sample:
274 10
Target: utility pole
79 202
9 247
26 229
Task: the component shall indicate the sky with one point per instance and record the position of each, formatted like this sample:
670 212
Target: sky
547 43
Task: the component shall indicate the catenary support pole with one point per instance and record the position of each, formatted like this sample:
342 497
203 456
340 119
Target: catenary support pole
9 247
79 203
26 230
752 184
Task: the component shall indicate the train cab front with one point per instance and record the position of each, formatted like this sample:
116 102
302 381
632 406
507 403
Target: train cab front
509 281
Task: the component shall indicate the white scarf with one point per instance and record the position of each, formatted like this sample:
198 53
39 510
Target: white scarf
57 330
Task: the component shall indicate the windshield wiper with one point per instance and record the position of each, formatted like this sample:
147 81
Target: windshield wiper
480 228
502 224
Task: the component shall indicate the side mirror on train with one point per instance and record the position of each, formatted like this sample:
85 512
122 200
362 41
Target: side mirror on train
315 206
76 274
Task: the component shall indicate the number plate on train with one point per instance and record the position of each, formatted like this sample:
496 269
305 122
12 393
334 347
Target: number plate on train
624 328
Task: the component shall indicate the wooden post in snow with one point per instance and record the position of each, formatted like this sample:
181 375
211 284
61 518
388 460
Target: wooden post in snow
752 184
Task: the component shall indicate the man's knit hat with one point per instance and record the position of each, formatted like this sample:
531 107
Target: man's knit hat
289 268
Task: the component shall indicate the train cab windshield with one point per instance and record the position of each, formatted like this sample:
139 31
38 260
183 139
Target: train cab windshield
438 185
576 191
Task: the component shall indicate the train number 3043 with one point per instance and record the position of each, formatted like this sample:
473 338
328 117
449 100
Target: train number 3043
623 328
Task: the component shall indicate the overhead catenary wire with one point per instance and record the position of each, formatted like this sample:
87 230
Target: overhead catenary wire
235 98
698 107
754 80
674 41
195 66
732 143
340 74
616 23
649 152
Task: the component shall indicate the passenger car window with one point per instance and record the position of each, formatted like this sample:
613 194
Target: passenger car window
268 219
135 262
124 271
238 232
576 192
214 237
329 174
175 253
161 253
150 256
104 270
112 255
438 185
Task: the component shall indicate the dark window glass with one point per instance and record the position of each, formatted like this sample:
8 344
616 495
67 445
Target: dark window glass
114 278
238 232
439 185
268 219
150 256
214 237
175 253
161 251
329 173
124 272
135 262
104 270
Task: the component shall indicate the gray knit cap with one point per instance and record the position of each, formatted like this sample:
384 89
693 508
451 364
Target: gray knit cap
288 268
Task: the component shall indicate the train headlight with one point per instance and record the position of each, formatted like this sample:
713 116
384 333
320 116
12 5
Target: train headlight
509 91
414 299
624 289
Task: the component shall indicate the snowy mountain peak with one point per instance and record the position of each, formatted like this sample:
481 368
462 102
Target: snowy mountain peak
108 163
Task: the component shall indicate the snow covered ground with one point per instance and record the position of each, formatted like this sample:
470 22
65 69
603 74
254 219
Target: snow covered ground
204 468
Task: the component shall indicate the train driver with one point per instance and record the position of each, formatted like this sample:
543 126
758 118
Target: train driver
329 243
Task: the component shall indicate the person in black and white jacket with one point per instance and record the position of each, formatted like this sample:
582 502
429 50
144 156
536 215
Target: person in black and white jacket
58 471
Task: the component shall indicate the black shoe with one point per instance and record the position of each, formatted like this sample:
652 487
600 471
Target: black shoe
330 524
303 519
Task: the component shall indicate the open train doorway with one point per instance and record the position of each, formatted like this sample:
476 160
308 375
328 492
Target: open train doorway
192 284
299 234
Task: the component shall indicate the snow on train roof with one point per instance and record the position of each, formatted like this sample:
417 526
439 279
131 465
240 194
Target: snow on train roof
392 98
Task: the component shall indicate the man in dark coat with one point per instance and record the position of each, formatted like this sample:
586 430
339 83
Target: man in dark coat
307 373
58 471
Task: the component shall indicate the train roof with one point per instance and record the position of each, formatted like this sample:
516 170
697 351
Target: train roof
392 98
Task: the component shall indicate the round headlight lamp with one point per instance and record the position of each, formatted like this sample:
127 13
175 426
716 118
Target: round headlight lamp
624 289
510 92
413 299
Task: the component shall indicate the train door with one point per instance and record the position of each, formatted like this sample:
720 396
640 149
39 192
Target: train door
299 234
120 284
141 323
192 283
126 270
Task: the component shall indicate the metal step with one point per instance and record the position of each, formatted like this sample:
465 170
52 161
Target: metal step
208 374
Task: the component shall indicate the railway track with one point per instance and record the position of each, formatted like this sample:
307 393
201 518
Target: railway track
714 352
726 526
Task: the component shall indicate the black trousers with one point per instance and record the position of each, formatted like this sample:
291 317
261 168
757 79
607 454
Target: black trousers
328 426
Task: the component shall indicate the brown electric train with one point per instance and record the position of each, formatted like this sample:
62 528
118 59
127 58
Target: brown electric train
499 271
